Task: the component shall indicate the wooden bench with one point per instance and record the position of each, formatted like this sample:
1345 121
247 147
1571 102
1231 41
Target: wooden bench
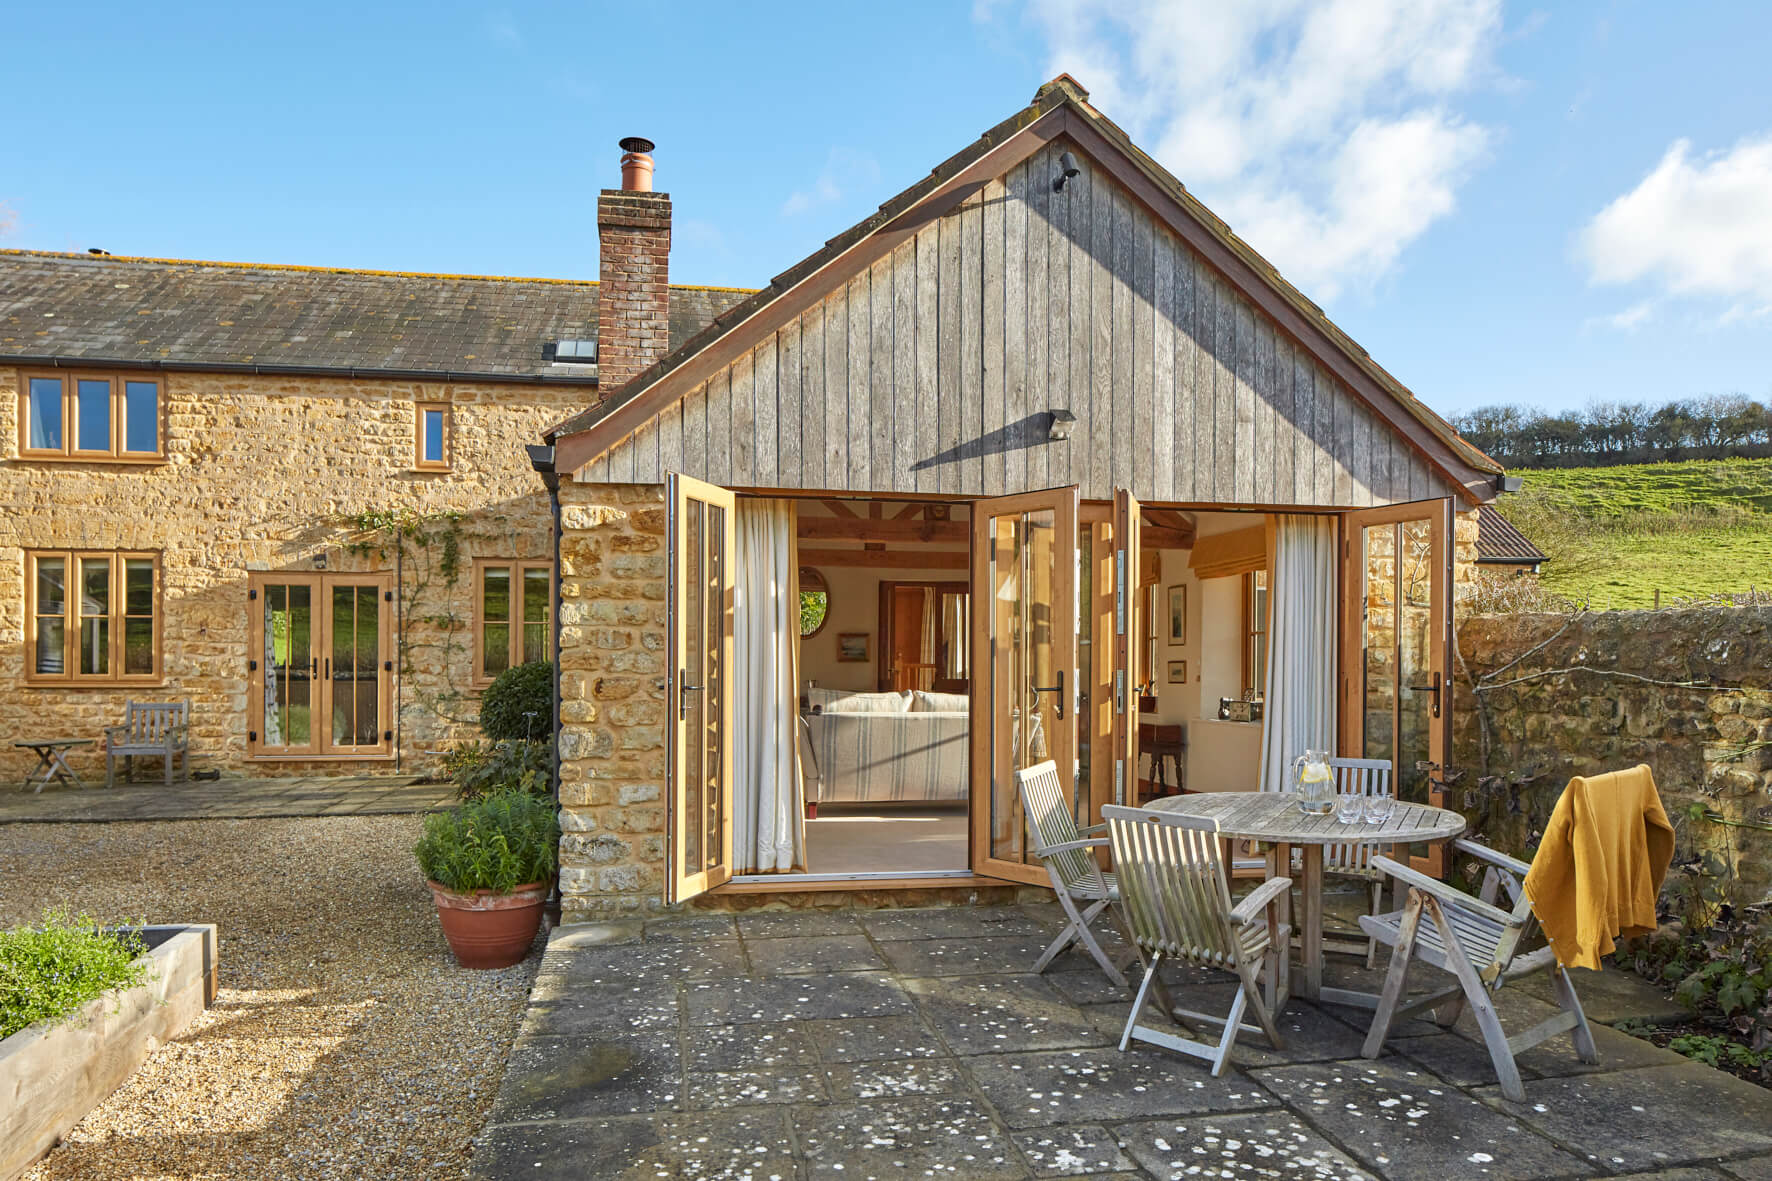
152 728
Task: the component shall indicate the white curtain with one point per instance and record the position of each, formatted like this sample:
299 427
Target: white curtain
957 629
1300 691
768 805
926 642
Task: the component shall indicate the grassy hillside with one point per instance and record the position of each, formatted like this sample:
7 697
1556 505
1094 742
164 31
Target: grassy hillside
1616 534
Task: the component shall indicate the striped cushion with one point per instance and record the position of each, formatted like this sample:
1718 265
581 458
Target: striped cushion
885 758
845 701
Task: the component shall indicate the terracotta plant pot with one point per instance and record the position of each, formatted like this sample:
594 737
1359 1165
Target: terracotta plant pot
488 930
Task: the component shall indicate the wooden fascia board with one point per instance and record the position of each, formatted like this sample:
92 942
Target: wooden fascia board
573 451
1475 486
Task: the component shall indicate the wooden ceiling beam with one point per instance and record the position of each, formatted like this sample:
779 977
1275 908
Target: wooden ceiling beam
829 529
887 559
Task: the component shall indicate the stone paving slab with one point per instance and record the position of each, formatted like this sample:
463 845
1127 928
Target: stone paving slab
227 799
709 1046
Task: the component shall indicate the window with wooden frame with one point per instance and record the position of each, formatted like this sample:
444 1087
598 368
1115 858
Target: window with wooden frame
109 417
1255 631
513 610
433 428
92 617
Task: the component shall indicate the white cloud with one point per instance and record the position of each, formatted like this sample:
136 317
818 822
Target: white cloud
1629 320
503 30
1695 227
1324 133
844 171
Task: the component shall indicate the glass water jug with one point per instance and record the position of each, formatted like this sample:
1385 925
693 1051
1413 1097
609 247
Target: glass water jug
1313 783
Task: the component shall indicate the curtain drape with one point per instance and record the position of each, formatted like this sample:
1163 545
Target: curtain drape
957 629
1300 690
768 804
926 642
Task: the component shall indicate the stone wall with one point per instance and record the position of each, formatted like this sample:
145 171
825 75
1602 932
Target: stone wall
259 472
613 770
1616 709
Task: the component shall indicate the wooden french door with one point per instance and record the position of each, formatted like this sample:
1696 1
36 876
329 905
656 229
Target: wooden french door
1024 612
1396 637
321 665
699 611
1128 563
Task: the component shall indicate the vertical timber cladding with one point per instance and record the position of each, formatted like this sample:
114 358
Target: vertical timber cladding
934 371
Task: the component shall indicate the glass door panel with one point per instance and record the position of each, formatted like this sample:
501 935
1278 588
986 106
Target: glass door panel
289 667
701 620
353 665
1024 711
1395 685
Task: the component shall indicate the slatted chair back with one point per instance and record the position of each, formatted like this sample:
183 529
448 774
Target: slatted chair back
1172 884
1051 823
1360 777
150 723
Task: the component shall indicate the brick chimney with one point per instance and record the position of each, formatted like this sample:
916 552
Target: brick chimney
633 266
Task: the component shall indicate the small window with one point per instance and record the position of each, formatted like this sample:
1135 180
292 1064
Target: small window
512 612
92 416
432 435
815 602
92 617
1255 631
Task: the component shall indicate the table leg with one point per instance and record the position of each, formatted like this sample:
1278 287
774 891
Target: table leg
65 772
1279 865
1311 921
42 773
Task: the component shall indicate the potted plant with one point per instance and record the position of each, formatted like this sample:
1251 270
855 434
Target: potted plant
490 862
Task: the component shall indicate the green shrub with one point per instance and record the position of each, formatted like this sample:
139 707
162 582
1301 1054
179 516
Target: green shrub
504 766
49 970
519 705
498 842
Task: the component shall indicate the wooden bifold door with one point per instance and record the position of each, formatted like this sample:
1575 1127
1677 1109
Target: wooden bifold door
320 664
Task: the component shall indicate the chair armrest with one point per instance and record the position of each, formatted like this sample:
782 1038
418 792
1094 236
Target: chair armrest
1257 900
1093 828
1067 846
1444 892
111 733
1501 860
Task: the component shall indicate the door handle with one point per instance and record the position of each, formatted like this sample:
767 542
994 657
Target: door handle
684 689
1433 686
1058 689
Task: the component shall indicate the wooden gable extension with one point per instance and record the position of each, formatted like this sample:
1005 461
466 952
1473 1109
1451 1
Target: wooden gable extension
932 363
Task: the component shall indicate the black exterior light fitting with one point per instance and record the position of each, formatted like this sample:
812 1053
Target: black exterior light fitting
1058 428
1067 168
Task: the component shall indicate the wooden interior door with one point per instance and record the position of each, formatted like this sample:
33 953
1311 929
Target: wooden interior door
699 611
1396 638
1128 643
1024 627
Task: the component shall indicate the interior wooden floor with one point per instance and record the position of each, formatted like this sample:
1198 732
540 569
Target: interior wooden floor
897 840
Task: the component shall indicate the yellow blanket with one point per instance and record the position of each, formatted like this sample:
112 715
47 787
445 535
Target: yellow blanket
1598 871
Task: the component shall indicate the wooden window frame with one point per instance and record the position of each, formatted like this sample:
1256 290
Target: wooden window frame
70 677
69 380
321 699
514 657
1255 624
419 462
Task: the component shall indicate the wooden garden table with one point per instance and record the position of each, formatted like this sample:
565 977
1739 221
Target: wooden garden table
1272 818
52 761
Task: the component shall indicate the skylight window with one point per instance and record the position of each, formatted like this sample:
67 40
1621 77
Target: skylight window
575 352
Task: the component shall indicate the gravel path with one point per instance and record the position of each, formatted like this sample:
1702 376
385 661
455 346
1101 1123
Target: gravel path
345 1041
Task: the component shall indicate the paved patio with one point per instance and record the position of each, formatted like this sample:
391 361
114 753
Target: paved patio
914 1043
227 799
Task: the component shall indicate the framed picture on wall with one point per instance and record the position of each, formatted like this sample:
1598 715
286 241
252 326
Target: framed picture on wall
852 647
1178 672
1178 614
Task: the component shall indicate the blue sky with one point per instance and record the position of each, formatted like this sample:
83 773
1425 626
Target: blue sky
1502 202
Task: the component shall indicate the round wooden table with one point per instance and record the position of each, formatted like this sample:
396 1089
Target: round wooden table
1272 818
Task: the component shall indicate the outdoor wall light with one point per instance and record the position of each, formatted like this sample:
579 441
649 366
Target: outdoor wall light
319 561
1059 428
1067 165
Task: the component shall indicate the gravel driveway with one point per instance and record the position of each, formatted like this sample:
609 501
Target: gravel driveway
345 1041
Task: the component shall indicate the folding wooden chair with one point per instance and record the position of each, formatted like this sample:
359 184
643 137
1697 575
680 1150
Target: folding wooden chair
1177 905
1480 944
1064 850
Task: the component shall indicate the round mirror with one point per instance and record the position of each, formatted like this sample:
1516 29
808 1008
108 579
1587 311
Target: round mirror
815 602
